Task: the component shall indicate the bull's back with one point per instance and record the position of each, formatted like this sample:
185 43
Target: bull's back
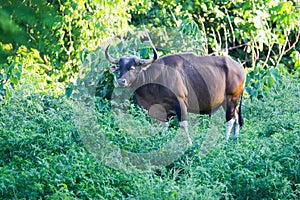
208 79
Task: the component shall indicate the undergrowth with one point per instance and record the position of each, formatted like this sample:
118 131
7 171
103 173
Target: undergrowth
42 155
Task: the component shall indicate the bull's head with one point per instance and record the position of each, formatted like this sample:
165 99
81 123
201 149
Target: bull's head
129 67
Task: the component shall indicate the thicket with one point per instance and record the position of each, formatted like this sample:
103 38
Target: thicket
49 40
51 53
42 154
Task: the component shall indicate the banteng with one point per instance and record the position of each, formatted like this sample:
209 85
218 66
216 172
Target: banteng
176 84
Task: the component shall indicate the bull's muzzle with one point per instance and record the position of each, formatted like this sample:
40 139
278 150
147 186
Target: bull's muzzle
122 82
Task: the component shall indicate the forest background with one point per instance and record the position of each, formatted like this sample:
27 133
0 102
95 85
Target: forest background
51 51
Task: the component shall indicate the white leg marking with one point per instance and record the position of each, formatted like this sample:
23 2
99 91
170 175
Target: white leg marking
229 126
165 126
236 129
184 125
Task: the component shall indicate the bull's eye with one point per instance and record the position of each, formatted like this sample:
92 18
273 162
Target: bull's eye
132 68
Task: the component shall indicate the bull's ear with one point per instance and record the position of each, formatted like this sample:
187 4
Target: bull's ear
113 69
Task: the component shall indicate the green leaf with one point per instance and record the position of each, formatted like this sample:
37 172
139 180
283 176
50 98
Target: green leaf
144 53
68 92
271 81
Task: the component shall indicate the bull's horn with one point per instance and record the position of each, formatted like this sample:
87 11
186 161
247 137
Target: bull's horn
145 62
108 57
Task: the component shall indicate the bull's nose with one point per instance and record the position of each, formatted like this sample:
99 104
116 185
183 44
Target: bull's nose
122 82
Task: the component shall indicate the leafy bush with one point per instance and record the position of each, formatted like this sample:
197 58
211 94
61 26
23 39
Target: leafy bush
59 31
42 155
248 31
260 82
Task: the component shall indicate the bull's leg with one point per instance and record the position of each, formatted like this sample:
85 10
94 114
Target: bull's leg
231 117
184 126
229 125
236 129
165 126
181 113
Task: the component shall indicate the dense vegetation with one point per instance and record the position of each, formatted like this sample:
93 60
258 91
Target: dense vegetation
42 155
57 115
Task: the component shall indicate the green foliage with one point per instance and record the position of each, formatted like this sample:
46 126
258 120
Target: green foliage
9 29
49 46
42 155
27 71
263 28
260 82
296 60
266 31
60 31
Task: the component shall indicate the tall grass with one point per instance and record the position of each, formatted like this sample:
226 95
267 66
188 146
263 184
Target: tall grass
42 155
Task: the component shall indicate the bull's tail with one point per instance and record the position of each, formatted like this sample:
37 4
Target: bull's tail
241 120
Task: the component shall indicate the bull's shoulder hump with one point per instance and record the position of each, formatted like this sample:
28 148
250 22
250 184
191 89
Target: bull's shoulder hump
177 56
172 60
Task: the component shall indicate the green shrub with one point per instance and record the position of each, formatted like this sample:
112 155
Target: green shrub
42 156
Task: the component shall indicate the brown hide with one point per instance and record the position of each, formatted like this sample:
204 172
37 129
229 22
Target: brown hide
190 83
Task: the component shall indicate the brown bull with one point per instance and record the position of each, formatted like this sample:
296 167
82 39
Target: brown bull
176 84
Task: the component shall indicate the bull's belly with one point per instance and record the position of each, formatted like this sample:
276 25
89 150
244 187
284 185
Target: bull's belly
208 111
205 107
